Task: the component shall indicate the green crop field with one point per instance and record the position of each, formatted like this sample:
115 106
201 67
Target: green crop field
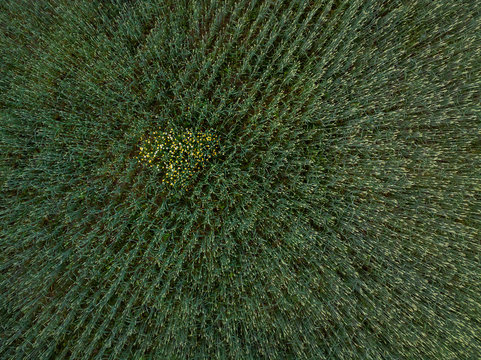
240 179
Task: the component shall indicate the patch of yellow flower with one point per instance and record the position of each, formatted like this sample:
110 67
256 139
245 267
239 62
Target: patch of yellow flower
178 156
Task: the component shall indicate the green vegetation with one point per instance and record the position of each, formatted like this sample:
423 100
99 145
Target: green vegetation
339 220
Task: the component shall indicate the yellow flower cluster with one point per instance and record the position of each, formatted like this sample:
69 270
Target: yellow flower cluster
178 156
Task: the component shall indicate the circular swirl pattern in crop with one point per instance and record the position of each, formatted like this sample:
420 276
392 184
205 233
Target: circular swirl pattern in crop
240 179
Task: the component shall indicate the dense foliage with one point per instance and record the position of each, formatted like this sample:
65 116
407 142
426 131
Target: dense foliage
340 218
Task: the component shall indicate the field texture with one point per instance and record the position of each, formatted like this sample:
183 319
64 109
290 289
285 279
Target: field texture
240 179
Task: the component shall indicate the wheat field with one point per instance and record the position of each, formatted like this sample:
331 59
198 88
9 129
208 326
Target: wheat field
240 179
